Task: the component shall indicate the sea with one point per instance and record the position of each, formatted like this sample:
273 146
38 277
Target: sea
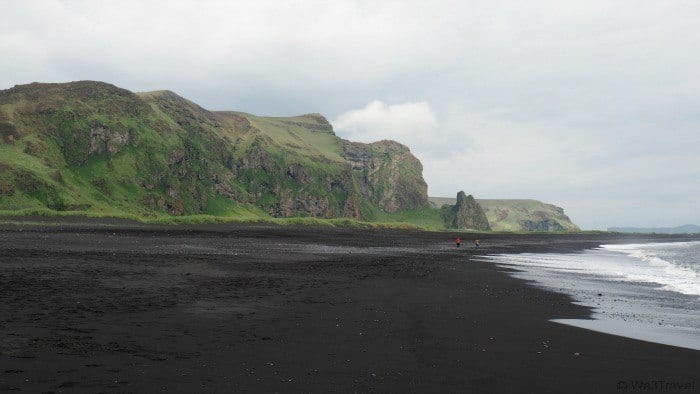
646 291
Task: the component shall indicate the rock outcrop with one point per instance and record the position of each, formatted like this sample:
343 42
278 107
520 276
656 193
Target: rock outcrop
467 214
388 175
104 140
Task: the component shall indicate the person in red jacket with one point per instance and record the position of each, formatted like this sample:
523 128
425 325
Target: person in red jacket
458 241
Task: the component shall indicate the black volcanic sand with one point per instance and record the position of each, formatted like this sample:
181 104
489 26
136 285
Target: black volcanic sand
114 307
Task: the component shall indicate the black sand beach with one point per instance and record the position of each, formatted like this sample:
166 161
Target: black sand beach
117 307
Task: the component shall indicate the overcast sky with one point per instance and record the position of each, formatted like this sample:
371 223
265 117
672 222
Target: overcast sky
591 105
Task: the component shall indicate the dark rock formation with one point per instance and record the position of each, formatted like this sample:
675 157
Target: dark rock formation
467 214
542 225
104 140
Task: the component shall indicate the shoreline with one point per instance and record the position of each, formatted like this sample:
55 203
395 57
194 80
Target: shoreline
639 309
236 307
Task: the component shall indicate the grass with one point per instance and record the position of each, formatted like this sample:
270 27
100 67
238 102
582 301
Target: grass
11 217
426 218
288 132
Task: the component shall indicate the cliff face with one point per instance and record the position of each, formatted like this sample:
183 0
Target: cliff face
526 215
388 174
91 146
467 214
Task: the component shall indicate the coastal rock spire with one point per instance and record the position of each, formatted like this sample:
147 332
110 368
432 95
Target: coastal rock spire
468 214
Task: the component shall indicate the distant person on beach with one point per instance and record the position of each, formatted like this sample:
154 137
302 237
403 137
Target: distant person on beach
458 241
476 243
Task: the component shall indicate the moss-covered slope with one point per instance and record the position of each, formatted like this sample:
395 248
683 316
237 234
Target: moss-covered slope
93 147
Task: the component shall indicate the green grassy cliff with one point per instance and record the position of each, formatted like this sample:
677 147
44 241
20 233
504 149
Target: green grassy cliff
95 148
518 215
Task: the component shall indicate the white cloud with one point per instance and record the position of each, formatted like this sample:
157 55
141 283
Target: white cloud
414 124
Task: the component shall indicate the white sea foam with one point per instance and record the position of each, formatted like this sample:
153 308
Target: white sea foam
673 266
644 291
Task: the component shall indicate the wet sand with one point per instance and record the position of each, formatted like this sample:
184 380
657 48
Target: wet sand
118 307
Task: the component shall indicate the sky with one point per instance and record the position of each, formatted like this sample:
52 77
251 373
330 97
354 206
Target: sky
589 105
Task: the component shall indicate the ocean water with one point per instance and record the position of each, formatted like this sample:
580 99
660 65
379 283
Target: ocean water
646 291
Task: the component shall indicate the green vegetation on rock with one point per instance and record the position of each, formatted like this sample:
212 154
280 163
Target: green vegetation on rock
94 148
518 215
